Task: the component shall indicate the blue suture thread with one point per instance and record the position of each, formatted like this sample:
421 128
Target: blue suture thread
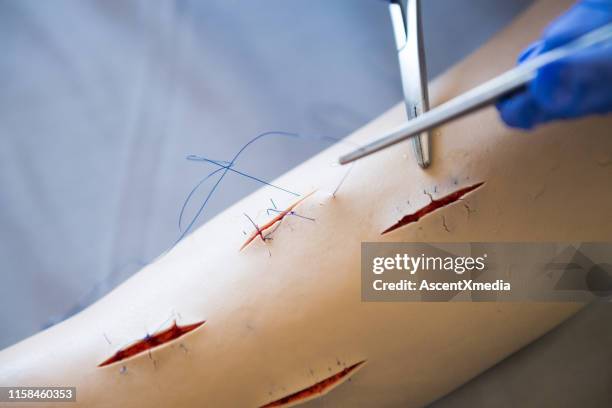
223 170
343 178
221 167
273 204
228 167
289 213
189 198
253 222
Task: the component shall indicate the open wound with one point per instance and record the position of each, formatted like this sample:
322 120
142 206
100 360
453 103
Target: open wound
151 341
316 390
260 231
434 205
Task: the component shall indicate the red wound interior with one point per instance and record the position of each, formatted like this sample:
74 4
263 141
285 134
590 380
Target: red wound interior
173 332
433 206
278 218
316 389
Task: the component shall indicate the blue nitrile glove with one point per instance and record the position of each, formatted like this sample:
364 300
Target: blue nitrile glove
572 87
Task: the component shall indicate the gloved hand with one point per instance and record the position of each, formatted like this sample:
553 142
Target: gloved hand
572 87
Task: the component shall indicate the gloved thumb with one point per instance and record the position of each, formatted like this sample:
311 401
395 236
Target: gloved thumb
575 85
584 16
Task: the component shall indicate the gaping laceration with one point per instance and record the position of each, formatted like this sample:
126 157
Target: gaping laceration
317 389
151 341
259 231
433 206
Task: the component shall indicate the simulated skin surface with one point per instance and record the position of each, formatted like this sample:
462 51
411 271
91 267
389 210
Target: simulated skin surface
284 314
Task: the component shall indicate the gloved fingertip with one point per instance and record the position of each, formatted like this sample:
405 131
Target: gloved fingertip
520 111
582 17
501 104
553 88
530 52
